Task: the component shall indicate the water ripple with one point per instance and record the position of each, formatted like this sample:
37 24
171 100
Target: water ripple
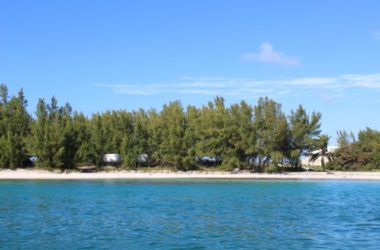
200 214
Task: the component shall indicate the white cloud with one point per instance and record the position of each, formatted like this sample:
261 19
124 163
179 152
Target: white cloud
212 86
371 81
267 54
196 86
311 81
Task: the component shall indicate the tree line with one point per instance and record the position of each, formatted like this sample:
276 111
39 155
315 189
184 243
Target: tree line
361 152
260 137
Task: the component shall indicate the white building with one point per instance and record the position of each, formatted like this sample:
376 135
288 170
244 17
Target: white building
111 158
306 162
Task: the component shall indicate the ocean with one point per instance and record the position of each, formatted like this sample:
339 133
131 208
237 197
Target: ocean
189 214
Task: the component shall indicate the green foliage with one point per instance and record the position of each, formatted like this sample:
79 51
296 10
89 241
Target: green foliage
345 138
14 127
259 137
305 131
360 154
322 152
230 164
272 132
53 139
172 124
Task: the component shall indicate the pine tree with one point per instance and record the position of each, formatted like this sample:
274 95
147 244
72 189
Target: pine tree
14 127
272 133
304 131
173 126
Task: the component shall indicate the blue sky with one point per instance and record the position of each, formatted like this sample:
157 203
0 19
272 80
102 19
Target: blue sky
101 55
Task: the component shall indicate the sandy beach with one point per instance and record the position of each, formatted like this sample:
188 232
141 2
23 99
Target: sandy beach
22 174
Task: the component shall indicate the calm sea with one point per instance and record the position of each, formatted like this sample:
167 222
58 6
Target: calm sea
189 214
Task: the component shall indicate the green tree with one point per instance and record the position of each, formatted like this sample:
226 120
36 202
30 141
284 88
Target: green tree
362 153
53 139
173 126
135 140
98 140
63 138
272 132
14 127
304 131
191 137
240 136
345 138
83 154
322 152
213 134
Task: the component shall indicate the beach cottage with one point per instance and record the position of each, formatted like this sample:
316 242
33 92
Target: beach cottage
142 159
111 158
309 164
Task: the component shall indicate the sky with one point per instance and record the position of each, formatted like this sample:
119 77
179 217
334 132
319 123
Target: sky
111 55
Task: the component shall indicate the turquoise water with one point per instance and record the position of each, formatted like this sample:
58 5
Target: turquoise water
189 214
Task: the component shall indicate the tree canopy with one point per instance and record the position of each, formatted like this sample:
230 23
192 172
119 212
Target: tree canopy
260 137
360 152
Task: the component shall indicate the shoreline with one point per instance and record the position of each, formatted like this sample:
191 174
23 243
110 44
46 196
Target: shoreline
22 174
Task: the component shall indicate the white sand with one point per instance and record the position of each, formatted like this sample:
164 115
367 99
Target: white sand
22 174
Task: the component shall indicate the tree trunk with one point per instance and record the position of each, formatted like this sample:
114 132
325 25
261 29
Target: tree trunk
323 163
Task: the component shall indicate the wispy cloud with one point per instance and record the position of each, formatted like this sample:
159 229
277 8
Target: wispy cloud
371 81
195 86
331 87
267 54
375 35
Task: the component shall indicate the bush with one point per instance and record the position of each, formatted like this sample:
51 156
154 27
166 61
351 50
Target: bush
231 163
273 167
188 163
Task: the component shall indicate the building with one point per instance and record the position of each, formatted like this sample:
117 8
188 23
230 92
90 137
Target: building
111 158
306 162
